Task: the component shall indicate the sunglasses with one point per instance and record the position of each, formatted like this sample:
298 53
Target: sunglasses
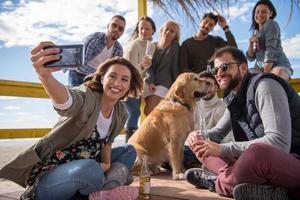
224 67
120 28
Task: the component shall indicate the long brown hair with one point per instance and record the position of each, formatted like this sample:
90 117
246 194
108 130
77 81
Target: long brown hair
135 33
136 81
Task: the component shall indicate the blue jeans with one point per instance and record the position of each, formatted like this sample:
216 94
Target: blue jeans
189 157
85 176
75 78
133 108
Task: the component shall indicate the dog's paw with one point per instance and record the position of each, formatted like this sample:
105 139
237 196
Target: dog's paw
179 176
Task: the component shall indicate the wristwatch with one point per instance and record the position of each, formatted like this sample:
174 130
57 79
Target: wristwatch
226 28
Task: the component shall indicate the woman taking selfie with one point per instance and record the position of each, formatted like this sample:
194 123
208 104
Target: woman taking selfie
76 156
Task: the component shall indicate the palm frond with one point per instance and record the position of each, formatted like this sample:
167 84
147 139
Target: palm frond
190 8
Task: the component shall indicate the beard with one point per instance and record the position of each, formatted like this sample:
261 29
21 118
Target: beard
114 36
234 81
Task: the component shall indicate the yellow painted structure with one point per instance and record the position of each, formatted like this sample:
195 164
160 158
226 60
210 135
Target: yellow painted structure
35 90
142 8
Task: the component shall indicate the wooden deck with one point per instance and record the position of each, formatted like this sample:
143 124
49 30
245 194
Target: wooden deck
162 188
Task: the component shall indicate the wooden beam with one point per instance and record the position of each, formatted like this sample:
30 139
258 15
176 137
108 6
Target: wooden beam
22 89
23 133
142 8
295 83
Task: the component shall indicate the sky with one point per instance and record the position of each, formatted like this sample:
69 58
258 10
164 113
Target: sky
24 23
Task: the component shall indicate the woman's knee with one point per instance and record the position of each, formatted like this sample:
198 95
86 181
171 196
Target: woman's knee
87 169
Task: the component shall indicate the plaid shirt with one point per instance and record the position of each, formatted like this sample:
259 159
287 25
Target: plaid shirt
94 44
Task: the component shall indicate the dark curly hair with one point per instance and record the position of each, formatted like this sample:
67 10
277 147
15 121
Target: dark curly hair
93 81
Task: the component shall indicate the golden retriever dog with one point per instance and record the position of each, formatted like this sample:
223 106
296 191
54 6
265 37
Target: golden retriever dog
162 134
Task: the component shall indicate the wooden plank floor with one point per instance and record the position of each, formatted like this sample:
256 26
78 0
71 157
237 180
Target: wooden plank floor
162 188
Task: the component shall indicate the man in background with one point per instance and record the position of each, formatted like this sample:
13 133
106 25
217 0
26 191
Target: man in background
98 48
196 51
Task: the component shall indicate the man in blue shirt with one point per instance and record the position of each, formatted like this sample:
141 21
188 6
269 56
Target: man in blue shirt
98 48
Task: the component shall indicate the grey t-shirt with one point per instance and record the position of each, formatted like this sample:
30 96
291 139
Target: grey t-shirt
272 104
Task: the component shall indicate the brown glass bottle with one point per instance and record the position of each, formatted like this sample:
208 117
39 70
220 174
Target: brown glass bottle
144 188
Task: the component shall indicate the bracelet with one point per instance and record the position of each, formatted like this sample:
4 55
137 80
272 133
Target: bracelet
225 27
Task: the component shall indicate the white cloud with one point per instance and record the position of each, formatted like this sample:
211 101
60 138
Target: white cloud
291 47
7 5
241 11
60 21
11 108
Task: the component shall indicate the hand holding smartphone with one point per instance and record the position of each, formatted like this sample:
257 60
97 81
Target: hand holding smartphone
71 56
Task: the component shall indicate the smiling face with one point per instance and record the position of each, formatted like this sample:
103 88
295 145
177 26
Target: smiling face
206 25
262 14
116 28
145 30
231 78
212 89
116 82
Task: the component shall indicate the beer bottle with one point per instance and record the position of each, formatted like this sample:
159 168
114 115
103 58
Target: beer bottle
144 189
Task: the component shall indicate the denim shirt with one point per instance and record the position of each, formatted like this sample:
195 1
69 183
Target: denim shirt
94 44
270 49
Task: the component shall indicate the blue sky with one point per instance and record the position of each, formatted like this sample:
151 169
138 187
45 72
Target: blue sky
23 23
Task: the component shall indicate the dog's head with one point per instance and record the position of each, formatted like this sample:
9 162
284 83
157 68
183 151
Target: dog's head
188 88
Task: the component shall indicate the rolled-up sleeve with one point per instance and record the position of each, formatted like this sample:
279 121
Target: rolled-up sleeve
272 37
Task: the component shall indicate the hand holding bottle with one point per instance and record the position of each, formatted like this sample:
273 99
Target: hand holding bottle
254 40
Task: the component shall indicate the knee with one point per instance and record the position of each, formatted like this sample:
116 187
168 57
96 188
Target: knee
255 159
258 152
87 168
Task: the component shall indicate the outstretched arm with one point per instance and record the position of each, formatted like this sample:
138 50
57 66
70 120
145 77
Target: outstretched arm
39 56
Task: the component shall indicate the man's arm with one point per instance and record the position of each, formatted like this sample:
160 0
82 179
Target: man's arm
183 60
272 104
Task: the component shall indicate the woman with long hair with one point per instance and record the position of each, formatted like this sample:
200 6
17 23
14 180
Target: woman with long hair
76 156
265 43
135 52
164 68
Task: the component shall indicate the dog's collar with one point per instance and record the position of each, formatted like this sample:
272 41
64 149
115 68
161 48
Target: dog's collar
189 107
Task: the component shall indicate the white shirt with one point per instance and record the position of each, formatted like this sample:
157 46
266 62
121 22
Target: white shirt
101 57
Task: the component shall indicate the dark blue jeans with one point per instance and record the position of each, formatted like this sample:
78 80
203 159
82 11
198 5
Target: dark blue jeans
85 176
133 108
189 158
75 78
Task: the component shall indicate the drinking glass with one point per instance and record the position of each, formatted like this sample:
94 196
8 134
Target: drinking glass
149 52
204 135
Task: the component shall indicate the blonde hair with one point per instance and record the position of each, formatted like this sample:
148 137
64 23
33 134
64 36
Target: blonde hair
177 36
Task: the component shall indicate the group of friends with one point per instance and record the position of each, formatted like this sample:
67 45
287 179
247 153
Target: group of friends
253 146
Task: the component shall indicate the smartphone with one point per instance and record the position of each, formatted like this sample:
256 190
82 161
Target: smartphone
71 56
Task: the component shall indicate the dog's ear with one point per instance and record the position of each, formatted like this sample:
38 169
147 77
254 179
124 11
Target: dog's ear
176 91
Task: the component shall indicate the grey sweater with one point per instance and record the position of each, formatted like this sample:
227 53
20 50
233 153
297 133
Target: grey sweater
164 68
272 104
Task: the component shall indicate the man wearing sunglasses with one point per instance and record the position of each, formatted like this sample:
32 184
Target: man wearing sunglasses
263 111
98 48
196 51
